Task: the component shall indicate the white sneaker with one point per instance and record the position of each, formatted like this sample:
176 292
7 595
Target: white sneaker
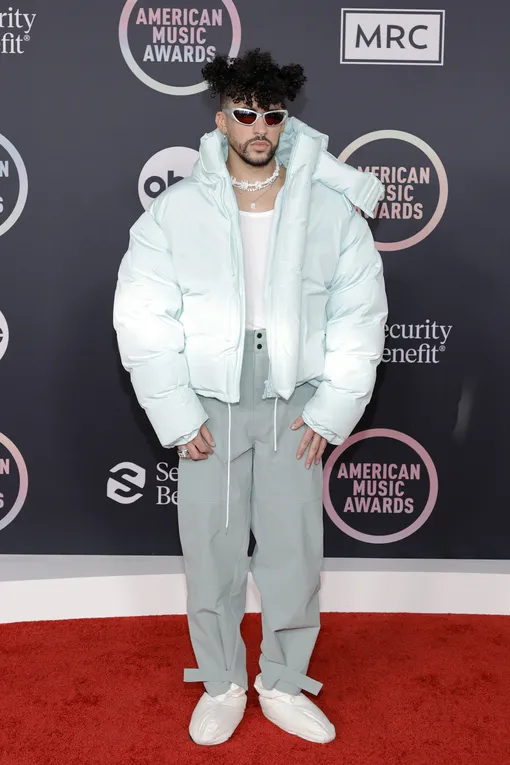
215 718
295 714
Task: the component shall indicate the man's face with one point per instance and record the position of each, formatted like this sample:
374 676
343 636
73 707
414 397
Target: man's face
256 144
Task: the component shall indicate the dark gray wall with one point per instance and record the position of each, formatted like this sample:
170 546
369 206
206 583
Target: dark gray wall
85 125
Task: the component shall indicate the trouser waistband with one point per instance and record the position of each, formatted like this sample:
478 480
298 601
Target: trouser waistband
255 341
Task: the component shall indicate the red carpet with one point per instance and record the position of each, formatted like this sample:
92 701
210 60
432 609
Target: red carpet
401 690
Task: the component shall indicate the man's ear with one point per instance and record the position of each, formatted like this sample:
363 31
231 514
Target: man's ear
221 122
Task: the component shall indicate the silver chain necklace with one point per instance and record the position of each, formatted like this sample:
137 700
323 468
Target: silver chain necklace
253 204
257 185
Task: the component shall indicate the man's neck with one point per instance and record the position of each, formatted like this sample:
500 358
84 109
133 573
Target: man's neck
245 172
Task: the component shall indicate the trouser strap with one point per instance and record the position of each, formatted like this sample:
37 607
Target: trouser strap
207 676
273 672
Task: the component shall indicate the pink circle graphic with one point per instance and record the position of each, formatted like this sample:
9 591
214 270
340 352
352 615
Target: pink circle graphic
173 90
401 135
429 505
23 481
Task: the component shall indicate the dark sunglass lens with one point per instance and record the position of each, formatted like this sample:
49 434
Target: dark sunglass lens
247 118
275 118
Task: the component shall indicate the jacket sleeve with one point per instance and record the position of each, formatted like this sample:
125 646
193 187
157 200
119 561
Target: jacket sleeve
356 313
147 306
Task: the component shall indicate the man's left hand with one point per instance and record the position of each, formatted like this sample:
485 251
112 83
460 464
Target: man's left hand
312 439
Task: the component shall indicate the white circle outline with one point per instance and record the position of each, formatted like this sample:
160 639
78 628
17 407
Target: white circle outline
402 135
172 90
23 185
4 343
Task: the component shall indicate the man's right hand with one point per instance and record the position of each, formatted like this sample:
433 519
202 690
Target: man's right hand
201 446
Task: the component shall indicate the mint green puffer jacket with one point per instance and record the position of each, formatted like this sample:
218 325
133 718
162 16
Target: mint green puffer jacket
179 306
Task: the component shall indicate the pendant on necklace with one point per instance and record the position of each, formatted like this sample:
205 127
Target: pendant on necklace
253 205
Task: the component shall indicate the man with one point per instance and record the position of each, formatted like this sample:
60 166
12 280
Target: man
250 312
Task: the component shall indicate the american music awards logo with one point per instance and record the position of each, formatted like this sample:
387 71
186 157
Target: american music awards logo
13 481
415 181
13 184
166 48
380 486
4 335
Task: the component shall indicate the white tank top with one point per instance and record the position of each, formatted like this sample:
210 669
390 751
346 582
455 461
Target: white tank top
256 231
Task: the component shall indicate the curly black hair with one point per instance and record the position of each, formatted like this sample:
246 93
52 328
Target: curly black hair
253 77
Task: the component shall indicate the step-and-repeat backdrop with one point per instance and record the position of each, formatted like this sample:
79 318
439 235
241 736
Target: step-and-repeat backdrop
102 107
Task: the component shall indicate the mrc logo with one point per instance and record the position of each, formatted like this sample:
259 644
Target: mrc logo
370 36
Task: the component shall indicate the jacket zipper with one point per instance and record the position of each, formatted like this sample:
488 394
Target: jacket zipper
268 290
279 202
234 222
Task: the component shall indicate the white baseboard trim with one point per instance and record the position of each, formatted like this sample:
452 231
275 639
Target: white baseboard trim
343 591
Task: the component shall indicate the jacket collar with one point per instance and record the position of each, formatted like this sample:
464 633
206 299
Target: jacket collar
299 145
214 149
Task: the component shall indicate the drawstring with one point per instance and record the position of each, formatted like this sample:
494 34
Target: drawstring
228 463
274 421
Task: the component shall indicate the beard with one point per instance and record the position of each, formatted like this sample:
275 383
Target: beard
242 149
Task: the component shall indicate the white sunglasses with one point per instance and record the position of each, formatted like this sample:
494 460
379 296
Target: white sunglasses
273 118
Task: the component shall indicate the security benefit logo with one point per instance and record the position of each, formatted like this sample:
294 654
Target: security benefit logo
4 335
415 181
415 343
166 48
15 30
370 36
13 481
13 185
163 169
128 483
380 486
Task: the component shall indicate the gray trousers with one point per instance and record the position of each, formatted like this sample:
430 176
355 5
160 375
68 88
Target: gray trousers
252 480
